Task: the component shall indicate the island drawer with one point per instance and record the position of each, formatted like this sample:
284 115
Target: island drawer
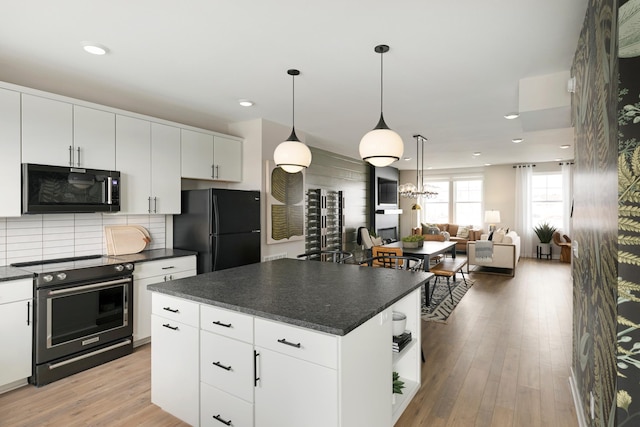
177 309
218 408
226 322
305 344
227 364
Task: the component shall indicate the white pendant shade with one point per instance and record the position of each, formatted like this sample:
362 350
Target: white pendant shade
292 156
381 147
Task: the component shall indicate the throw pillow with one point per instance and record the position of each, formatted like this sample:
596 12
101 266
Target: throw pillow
498 236
463 232
377 241
490 236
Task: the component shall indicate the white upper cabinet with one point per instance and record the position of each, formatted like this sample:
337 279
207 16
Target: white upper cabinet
209 157
147 157
165 169
47 131
133 145
197 155
227 159
94 138
63 134
10 158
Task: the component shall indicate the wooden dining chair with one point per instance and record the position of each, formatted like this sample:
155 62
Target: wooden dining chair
380 253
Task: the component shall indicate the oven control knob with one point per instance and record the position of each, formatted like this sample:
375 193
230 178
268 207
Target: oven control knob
119 267
47 277
61 276
128 266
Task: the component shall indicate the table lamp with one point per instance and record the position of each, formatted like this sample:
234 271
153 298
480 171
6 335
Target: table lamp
492 218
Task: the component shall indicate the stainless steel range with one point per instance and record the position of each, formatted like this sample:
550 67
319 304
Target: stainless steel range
83 314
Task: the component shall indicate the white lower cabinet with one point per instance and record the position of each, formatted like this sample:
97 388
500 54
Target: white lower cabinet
16 323
175 357
147 273
262 373
294 392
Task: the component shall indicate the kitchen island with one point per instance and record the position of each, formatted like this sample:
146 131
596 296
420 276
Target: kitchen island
285 342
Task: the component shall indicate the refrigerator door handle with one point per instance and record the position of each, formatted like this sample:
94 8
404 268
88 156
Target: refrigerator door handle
255 231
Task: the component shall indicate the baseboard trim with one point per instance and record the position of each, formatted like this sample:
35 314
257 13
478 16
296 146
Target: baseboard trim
577 403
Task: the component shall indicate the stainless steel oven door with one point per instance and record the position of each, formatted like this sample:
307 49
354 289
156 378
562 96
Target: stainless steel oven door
78 317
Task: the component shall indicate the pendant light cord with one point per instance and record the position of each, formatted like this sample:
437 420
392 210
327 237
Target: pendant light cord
381 81
293 102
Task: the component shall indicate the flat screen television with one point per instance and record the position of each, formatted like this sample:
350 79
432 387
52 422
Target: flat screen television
387 191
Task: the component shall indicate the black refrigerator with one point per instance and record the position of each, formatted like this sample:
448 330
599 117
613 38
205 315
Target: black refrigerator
223 226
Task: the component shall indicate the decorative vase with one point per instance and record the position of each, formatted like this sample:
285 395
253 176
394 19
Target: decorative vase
399 322
544 248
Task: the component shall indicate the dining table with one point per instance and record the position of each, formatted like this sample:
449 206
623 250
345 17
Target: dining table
428 250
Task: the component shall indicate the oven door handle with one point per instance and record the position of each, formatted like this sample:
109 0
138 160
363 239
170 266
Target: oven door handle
88 287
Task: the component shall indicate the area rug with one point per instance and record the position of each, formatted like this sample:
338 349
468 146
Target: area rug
440 306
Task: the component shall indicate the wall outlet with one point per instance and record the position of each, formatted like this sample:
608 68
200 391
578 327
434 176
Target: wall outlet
592 405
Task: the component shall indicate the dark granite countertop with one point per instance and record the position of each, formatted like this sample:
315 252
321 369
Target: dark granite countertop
323 296
12 273
153 255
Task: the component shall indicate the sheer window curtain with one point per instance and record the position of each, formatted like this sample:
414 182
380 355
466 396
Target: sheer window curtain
524 227
567 196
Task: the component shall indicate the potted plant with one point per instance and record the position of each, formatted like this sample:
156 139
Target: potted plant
397 385
413 241
544 231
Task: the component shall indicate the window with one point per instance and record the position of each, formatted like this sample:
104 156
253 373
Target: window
459 201
546 199
436 210
468 202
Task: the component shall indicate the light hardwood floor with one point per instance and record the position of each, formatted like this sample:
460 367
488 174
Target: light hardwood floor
502 360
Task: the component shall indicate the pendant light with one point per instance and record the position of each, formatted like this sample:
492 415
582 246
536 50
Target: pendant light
292 155
381 146
419 190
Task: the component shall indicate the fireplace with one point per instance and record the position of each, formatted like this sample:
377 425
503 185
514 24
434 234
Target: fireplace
388 234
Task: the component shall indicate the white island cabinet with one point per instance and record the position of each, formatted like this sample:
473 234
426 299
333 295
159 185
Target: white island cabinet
287 343
16 323
260 372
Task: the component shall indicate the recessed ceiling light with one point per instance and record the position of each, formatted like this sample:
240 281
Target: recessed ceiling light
558 160
477 153
429 167
406 159
511 116
487 164
245 102
94 48
565 146
517 140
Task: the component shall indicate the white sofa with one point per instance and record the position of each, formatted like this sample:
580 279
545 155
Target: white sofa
506 254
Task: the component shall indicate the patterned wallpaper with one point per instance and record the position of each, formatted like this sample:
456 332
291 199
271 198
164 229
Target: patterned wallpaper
628 333
595 214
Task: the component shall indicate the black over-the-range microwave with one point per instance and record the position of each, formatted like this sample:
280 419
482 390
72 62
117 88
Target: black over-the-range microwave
59 189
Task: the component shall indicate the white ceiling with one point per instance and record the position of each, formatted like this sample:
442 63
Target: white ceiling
451 74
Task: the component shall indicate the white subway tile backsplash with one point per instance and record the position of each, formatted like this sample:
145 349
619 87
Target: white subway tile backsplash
37 237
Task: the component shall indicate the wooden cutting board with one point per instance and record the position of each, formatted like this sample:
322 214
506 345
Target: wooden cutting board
126 239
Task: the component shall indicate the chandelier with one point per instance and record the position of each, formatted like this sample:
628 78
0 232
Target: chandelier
409 190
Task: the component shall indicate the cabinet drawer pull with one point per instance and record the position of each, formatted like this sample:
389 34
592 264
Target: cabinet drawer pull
173 310
219 323
219 418
256 378
284 341
220 365
167 268
166 325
